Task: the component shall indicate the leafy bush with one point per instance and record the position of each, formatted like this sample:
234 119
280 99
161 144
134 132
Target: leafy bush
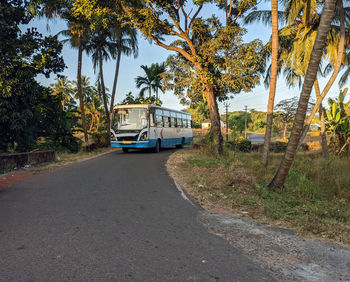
239 144
278 147
66 143
244 145
101 139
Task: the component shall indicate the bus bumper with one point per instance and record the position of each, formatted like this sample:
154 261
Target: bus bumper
134 144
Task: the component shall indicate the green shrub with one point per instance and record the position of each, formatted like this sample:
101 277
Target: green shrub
239 143
278 147
101 139
244 145
66 143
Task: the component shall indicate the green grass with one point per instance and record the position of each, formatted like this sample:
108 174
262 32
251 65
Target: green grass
315 199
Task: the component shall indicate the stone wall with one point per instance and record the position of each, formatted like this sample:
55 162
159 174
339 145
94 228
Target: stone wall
11 161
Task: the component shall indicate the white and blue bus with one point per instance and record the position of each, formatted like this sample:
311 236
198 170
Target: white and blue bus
149 126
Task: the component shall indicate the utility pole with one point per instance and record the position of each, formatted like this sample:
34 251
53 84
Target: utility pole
226 106
245 123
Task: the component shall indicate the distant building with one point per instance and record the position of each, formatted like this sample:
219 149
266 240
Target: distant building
206 124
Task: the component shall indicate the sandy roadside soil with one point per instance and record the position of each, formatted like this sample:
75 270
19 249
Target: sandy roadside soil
282 252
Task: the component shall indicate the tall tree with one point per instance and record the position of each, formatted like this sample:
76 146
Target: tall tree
273 81
126 39
77 35
323 29
102 47
23 116
337 62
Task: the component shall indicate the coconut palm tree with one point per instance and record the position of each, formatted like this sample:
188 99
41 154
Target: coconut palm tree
345 76
101 47
94 110
335 50
126 40
273 81
88 90
297 39
77 35
310 76
152 81
63 86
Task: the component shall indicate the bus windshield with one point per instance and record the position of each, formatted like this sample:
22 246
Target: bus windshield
130 119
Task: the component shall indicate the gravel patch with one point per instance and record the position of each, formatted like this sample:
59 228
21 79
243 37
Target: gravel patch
287 256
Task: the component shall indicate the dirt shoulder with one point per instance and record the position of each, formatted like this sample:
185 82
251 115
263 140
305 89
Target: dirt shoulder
14 176
284 253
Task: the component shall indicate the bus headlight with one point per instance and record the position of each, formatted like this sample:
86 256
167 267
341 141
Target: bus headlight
143 136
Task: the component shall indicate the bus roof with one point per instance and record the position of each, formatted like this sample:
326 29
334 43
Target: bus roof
148 106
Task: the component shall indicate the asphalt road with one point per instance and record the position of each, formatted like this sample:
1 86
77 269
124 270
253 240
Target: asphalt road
256 138
118 217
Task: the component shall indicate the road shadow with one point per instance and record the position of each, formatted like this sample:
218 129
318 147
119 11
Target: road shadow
165 150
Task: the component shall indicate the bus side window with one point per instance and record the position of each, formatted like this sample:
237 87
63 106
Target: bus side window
152 120
179 122
166 121
159 121
172 122
169 122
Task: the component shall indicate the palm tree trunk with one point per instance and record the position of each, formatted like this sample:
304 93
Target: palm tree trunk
105 104
325 152
149 89
80 93
336 70
273 81
323 29
115 81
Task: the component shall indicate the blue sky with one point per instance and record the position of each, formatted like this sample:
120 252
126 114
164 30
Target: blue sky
150 53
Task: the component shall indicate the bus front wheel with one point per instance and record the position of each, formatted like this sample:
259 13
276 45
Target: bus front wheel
157 147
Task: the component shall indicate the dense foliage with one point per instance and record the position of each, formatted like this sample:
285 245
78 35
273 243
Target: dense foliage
27 109
338 123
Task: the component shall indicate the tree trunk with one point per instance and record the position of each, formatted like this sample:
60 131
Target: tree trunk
115 83
285 131
80 93
105 104
215 128
273 81
322 32
325 152
322 123
336 70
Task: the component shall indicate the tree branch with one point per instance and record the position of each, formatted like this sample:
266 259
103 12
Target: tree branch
173 48
229 12
193 18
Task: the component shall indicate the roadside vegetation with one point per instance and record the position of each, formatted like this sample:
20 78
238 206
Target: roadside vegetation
315 200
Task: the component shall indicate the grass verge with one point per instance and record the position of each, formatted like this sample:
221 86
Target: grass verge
315 200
